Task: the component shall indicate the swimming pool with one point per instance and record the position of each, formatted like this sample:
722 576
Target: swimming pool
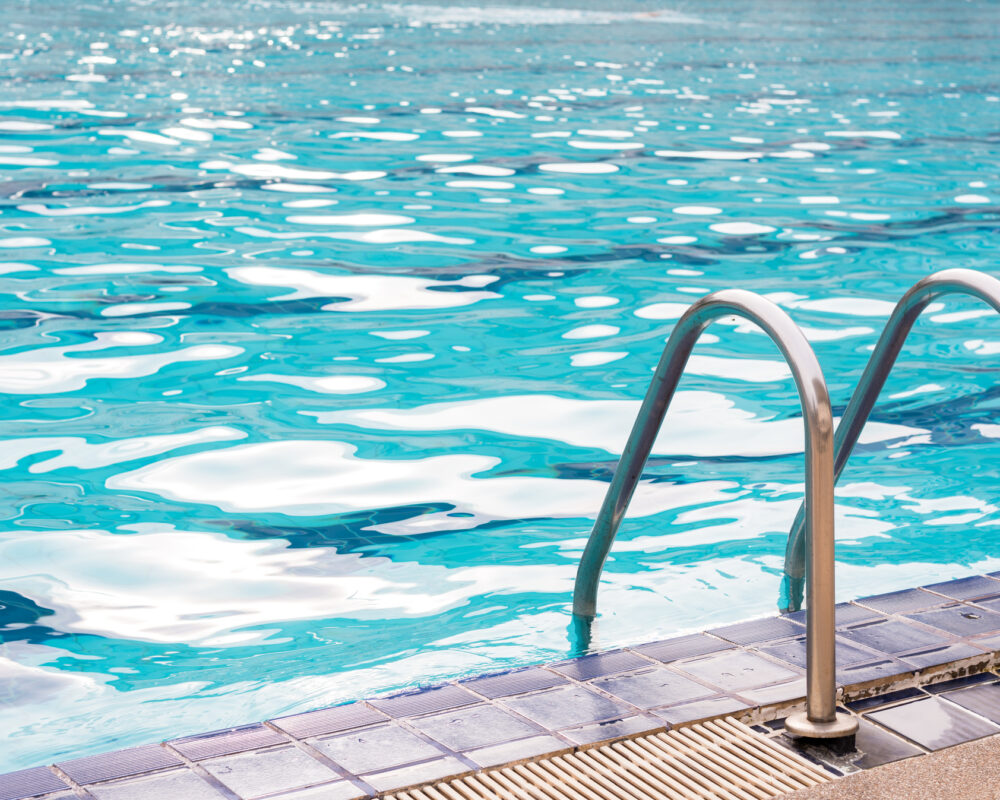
323 326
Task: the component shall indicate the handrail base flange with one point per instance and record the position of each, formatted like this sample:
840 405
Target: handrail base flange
842 727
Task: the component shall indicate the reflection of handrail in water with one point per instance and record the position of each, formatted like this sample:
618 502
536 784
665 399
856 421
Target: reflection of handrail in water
821 719
912 304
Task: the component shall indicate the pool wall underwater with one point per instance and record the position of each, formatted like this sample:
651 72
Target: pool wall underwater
323 326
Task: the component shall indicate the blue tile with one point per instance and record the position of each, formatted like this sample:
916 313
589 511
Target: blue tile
566 706
757 631
378 748
961 683
697 644
894 636
933 723
426 701
887 699
960 620
473 727
906 600
865 673
119 764
29 782
329 720
614 729
967 588
223 743
600 664
653 687
517 682
794 652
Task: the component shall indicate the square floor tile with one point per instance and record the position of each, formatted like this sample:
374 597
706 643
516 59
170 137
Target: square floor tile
329 720
372 749
29 782
426 701
876 746
960 683
906 600
960 620
894 636
778 693
600 664
865 673
736 670
474 726
794 652
967 588
934 723
697 644
517 682
120 764
614 729
844 614
251 775
757 631
887 699
341 790
566 706
942 655
227 742
417 773
173 785
701 709
653 687
983 700
516 751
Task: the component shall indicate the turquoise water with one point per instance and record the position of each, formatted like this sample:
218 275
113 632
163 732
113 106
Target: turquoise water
323 326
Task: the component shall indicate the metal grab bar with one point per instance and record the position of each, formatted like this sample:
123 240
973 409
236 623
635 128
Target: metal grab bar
821 719
910 306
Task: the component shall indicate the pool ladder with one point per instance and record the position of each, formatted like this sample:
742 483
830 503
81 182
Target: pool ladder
809 558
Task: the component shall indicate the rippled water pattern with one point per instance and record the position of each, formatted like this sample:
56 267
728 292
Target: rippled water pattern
323 326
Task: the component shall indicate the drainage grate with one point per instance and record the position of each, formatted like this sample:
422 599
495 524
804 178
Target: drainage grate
717 759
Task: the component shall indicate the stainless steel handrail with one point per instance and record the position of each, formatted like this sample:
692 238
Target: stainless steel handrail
821 719
906 312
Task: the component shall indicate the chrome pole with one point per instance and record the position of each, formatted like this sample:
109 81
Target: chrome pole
906 312
821 719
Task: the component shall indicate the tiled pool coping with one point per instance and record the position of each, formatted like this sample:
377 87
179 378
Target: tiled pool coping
893 651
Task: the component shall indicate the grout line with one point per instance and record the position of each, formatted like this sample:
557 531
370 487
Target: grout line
202 773
77 788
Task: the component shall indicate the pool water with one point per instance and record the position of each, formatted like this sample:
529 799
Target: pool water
323 326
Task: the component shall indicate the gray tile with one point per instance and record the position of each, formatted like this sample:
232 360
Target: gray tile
653 687
960 620
600 664
701 709
329 720
252 775
983 700
120 764
341 790
992 603
941 655
896 602
757 631
794 652
614 729
960 683
426 701
697 644
29 782
516 751
779 693
933 723
518 682
737 670
886 699
418 773
967 588
173 785
566 706
473 726
845 614
227 742
894 636
864 673
877 746
372 749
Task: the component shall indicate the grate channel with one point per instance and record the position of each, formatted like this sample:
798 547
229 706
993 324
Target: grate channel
718 759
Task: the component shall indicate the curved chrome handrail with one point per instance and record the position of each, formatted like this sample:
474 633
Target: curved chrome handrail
906 312
821 718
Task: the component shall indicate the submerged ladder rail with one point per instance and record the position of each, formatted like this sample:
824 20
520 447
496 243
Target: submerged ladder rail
883 358
820 719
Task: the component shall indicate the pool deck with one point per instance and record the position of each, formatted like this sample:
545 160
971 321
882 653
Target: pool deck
915 665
